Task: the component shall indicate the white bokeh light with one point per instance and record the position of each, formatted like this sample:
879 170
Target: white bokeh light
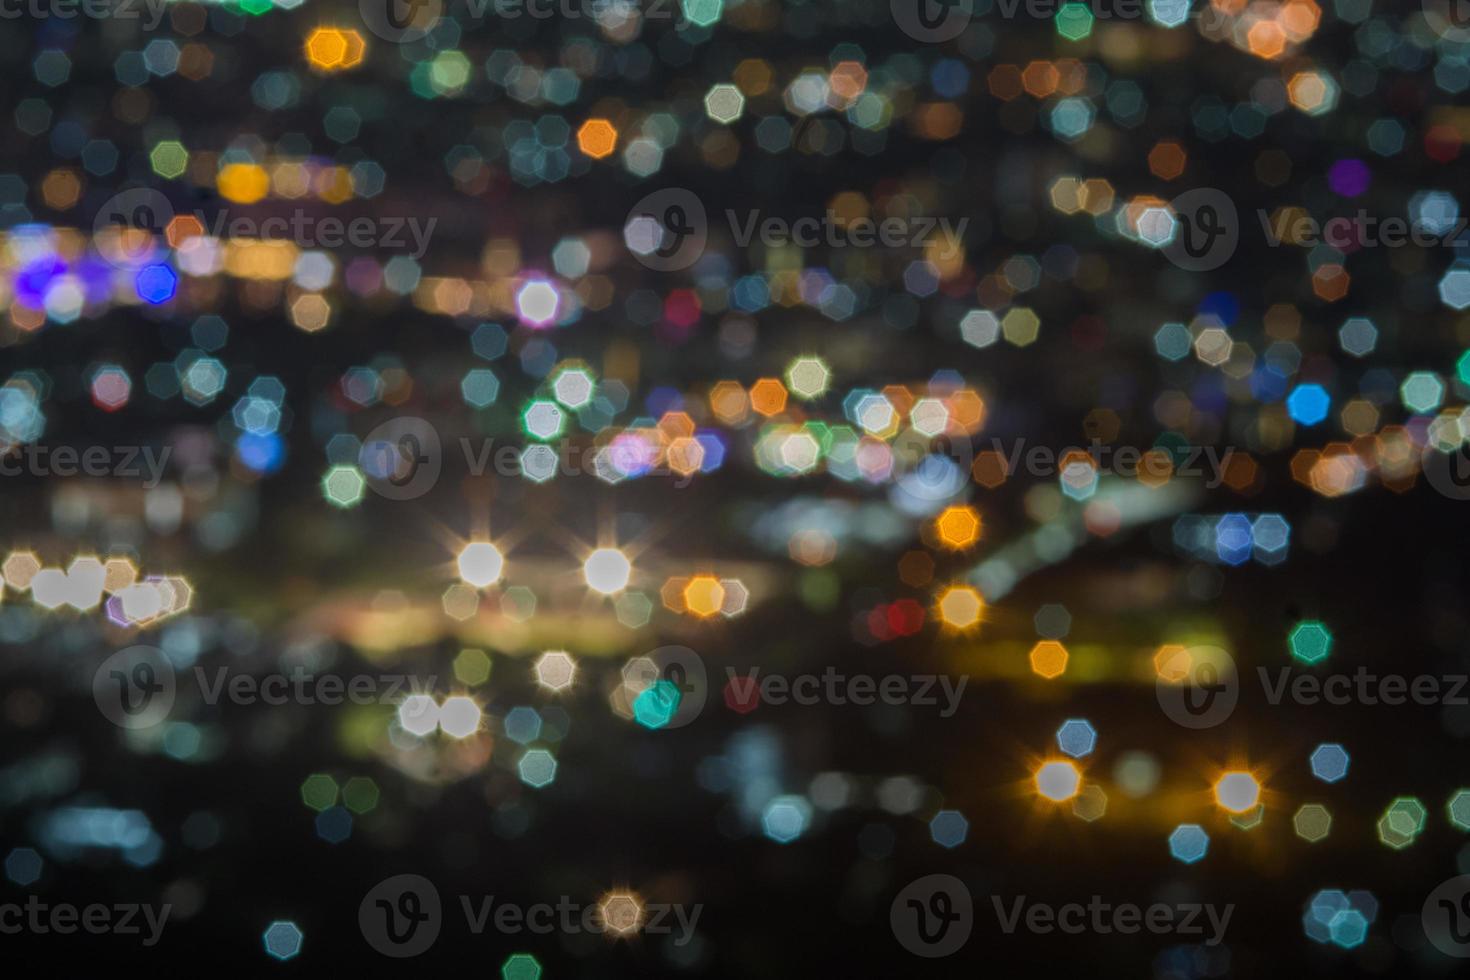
1237 791
607 571
459 716
480 564
418 714
537 302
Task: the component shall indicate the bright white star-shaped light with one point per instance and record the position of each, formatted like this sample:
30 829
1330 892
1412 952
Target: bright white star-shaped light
480 564
607 571
459 716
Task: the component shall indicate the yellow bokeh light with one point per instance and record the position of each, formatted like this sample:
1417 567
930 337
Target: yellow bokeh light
960 606
19 568
1049 659
243 183
1172 663
958 527
597 138
334 48
621 912
61 188
118 574
768 397
704 596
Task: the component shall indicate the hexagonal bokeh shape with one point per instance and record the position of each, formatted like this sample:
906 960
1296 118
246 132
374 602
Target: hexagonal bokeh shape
520 966
634 609
1422 392
23 866
1458 808
334 824
1189 843
1238 792
1348 929
555 670
1091 803
343 486
1058 780
1076 737
980 328
1358 336
808 377
1312 822
479 387
1049 659
949 828
537 768
282 939
543 419
724 103
574 387
957 526
1310 641
1329 762
522 724
360 794
489 341
786 818
1454 288
319 791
